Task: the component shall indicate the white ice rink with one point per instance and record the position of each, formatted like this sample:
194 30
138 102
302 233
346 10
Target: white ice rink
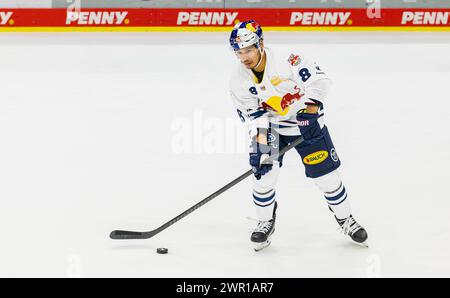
102 131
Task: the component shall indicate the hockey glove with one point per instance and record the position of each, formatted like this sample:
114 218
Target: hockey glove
309 125
260 153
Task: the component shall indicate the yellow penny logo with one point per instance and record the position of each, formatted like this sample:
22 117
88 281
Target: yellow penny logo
316 157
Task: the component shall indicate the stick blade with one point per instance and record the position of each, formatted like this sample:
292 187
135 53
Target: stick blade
125 235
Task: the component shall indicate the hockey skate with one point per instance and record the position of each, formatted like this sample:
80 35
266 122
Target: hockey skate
263 232
354 230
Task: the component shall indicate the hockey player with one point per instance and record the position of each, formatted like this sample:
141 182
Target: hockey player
281 98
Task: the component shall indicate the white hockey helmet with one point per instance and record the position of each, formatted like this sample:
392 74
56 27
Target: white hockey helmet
246 34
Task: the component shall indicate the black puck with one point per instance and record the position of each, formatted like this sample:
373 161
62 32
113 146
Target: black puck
162 250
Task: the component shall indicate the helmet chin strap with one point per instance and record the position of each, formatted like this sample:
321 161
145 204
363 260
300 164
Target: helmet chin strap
262 52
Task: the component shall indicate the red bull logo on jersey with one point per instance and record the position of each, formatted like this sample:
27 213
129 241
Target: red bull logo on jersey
316 157
5 18
96 18
289 99
280 105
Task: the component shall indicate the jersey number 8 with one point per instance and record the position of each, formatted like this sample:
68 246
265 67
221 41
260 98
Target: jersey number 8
253 91
304 74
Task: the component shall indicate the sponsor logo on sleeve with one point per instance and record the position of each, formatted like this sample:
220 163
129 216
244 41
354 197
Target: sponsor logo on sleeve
316 157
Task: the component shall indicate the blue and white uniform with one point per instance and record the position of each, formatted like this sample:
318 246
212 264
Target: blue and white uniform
290 82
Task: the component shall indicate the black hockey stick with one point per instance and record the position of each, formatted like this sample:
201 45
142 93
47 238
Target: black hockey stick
120 234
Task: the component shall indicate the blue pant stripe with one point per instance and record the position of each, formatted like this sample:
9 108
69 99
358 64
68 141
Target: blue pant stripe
337 197
263 200
263 205
334 204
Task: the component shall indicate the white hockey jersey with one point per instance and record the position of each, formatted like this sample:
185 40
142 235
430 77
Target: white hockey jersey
289 82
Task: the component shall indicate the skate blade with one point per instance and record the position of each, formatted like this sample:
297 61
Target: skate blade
262 245
362 244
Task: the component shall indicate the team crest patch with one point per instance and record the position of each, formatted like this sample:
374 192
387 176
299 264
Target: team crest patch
334 155
294 60
272 140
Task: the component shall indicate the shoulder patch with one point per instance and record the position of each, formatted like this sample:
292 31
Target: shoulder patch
294 60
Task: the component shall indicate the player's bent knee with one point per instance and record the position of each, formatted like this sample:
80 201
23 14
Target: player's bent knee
329 183
268 181
319 157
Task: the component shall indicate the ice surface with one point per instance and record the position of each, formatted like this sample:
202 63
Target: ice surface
102 131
